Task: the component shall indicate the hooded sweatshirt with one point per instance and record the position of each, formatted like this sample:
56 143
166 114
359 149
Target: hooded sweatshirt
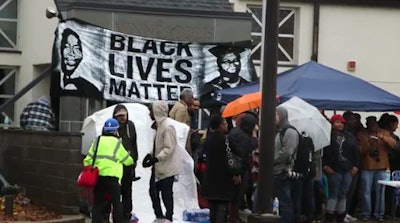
127 132
284 150
166 144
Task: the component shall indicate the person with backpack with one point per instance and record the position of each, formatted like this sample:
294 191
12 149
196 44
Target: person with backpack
303 184
340 162
301 173
285 147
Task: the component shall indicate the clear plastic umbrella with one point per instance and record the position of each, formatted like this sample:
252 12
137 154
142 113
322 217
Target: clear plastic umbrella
307 118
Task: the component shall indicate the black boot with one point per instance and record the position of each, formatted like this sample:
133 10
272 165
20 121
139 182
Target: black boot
329 217
340 218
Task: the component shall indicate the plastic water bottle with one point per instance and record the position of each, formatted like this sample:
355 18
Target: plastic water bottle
6 122
197 215
187 215
275 206
202 216
387 174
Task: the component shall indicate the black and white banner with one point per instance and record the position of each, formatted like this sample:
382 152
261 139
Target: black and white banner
93 61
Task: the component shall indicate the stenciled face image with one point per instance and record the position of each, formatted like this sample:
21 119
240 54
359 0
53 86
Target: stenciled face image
71 52
230 63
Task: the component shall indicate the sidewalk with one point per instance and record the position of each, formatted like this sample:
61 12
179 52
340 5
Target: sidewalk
64 219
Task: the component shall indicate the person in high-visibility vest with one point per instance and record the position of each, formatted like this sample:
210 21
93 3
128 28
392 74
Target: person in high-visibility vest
110 158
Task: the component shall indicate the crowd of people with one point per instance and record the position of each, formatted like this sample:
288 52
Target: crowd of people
343 182
343 176
117 169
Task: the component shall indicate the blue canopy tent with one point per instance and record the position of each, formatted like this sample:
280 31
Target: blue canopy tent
323 87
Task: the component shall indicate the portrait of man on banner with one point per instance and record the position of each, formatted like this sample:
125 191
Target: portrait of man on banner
232 67
70 57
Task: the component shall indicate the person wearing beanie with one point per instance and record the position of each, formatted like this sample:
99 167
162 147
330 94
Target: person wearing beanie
340 162
374 144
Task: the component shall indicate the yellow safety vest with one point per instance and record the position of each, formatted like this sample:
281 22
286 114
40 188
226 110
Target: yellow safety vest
110 158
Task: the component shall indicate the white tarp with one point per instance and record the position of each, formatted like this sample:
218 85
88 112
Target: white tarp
185 191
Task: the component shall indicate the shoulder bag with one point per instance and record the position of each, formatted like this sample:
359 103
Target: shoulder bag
233 162
89 174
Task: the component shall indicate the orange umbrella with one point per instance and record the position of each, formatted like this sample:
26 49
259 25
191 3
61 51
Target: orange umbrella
242 104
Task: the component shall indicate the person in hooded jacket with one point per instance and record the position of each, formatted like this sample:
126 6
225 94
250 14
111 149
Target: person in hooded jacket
111 156
285 146
218 183
127 133
242 144
166 161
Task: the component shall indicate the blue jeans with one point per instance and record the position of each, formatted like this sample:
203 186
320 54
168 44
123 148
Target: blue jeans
283 190
339 184
369 179
255 200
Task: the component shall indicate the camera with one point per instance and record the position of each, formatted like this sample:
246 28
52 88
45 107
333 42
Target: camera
375 154
293 175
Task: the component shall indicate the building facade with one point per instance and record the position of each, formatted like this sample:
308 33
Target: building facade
26 39
356 37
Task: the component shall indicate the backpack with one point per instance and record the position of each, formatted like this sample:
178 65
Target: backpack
303 154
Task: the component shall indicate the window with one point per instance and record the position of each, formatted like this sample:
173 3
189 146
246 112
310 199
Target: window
8 24
7 90
286 45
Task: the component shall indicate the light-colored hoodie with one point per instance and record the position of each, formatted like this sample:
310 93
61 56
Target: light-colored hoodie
284 150
166 145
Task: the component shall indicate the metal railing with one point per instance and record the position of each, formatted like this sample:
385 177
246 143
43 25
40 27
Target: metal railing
22 92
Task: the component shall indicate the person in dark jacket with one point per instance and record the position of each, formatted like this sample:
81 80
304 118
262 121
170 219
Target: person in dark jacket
340 162
241 143
127 132
352 126
390 123
218 183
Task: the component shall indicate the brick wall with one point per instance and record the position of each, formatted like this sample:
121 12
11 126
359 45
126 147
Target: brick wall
45 164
